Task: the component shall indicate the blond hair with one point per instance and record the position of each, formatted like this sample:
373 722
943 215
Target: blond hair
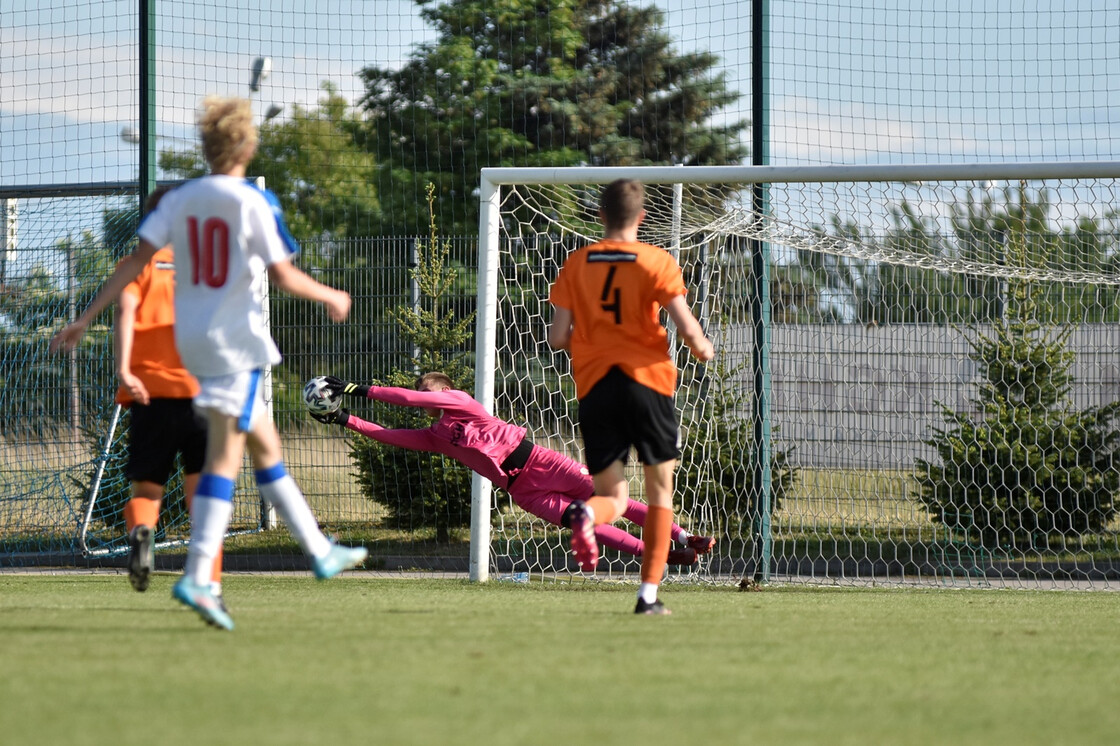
229 136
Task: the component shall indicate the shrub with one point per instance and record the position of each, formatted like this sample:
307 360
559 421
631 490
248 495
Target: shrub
1029 465
417 489
719 454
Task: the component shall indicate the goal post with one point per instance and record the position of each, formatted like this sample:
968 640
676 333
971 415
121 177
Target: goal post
864 266
485 354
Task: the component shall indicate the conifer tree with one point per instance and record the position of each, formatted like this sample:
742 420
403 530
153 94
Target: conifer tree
537 83
419 489
1029 465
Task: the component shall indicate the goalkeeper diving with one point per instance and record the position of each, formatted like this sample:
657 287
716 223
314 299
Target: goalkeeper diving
538 479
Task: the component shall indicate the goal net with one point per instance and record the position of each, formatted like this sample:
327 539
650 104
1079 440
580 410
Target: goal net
916 373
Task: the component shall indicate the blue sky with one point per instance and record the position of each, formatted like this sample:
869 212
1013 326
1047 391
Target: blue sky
948 81
853 81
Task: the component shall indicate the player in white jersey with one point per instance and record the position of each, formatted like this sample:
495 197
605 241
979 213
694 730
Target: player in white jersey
230 234
225 236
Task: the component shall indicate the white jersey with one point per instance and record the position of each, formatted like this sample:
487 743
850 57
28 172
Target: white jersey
224 233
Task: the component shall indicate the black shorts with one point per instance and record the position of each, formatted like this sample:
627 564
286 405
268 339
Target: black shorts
159 431
619 413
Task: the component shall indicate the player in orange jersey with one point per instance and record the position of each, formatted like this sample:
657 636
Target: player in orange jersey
158 391
227 236
606 301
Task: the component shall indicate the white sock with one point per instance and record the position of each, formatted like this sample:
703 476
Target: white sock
209 521
683 537
215 588
647 592
284 495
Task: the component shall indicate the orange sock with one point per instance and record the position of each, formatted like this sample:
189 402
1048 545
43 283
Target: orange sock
604 508
656 535
216 571
140 511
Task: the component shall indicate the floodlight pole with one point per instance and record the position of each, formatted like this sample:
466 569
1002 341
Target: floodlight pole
259 72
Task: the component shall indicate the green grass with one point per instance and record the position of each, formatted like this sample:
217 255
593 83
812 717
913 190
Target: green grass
874 498
88 661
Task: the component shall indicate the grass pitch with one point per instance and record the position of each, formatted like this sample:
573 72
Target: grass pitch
357 660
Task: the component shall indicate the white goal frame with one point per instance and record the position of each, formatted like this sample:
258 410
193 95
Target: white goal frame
490 193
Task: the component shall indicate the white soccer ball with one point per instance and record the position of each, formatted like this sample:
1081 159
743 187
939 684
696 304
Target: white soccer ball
317 397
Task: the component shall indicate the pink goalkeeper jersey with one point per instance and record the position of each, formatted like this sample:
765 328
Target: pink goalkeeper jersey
465 431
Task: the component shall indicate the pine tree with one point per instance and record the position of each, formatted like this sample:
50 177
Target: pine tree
1030 465
719 450
418 489
537 83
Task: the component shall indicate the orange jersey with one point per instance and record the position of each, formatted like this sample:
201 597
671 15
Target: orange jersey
155 360
615 291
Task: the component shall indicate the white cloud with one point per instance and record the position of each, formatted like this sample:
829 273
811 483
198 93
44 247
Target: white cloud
57 75
812 131
80 70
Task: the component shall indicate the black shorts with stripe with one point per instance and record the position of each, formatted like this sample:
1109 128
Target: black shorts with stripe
619 413
159 431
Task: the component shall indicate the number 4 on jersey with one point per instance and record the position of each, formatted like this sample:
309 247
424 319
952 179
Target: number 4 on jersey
615 304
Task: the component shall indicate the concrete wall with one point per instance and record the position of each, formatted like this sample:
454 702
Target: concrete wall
855 397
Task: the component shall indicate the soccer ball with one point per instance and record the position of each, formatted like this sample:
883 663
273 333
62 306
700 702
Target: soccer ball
317 397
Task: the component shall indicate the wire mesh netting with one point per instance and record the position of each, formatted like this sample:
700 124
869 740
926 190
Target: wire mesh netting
63 469
878 294
948 419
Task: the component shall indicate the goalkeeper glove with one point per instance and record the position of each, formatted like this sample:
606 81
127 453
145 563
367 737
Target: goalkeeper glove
337 417
337 387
